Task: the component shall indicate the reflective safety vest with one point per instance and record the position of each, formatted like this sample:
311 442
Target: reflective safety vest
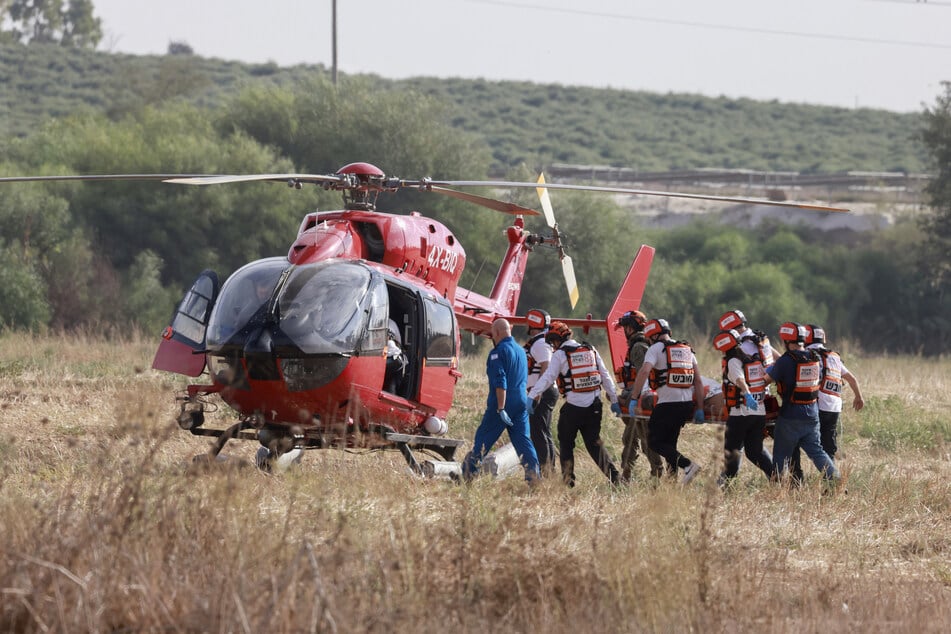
808 375
582 374
831 373
755 376
679 370
533 366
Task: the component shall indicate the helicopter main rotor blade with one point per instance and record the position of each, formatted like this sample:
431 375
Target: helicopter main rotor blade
491 203
643 192
346 181
292 179
98 177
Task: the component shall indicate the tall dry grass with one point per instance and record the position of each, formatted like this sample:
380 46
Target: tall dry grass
104 528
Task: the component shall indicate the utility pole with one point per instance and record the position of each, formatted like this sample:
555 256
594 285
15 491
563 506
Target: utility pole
334 38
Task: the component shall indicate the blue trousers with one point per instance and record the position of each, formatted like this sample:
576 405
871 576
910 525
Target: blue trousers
489 431
791 432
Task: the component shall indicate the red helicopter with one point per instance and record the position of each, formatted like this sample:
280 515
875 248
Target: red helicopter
353 338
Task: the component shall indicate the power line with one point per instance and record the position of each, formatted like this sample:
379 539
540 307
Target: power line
721 27
930 3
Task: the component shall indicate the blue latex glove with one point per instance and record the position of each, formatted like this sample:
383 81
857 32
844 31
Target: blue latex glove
751 402
506 419
632 408
531 407
616 408
698 416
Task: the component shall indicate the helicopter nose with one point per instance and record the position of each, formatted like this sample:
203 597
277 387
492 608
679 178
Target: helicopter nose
259 342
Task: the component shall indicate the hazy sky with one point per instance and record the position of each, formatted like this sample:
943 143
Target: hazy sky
890 54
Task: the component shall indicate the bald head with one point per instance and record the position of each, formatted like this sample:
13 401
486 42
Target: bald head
501 329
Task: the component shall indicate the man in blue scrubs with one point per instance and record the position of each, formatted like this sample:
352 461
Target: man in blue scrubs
506 406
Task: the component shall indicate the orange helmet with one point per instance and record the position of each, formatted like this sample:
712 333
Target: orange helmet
656 327
791 332
726 340
633 318
732 320
538 318
558 332
815 334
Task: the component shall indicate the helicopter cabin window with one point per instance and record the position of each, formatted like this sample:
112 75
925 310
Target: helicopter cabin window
440 333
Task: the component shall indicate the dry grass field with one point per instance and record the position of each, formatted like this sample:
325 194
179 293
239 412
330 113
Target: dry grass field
104 529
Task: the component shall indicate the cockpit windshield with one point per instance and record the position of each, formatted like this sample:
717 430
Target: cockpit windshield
323 306
318 308
243 299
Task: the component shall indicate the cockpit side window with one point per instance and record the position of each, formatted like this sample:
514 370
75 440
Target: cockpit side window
440 333
376 337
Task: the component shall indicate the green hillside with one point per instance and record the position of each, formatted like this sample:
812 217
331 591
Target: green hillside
521 122
104 255
676 131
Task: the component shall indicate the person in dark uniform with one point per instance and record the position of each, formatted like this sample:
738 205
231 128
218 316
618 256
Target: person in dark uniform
539 419
635 418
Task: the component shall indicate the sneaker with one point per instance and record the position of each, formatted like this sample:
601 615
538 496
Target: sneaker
690 473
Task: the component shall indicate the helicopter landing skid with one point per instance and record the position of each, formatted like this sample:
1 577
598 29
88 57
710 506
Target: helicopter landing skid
445 447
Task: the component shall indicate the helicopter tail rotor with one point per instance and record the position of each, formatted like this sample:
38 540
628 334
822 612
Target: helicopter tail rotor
567 268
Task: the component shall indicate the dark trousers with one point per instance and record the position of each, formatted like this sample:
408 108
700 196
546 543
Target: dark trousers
663 432
586 420
829 432
745 432
539 424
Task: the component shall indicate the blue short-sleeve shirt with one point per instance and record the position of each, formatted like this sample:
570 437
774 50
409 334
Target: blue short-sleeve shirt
507 368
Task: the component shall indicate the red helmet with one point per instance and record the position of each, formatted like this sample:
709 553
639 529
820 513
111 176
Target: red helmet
656 327
633 318
815 334
558 332
791 332
732 320
538 318
726 340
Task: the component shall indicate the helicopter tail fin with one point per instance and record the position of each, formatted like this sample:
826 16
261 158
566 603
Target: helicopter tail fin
628 298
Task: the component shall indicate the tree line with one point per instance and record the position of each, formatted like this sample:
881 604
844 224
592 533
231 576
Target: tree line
110 254
69 23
